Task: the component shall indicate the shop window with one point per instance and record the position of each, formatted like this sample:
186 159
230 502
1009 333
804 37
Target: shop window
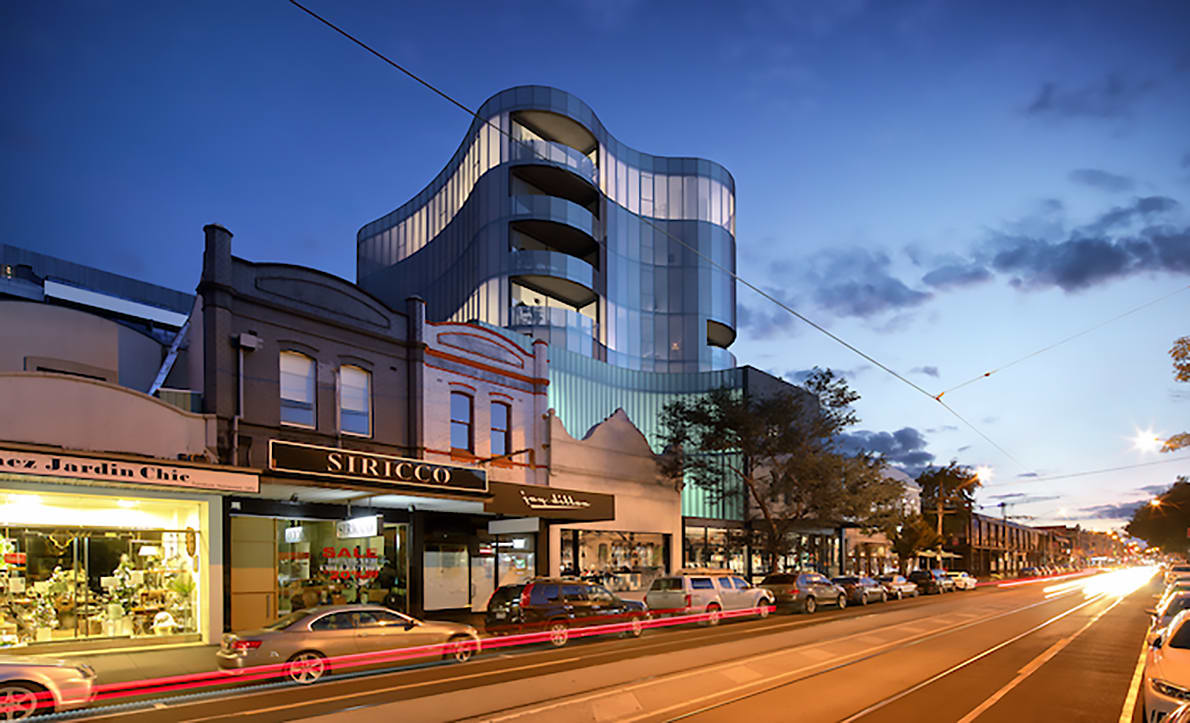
297 389
355 401
461 415
501 416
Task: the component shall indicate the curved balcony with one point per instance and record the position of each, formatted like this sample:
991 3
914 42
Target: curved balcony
559 275
526 149
555 224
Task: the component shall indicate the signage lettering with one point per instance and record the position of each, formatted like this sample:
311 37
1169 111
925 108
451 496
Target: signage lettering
373 468
59 465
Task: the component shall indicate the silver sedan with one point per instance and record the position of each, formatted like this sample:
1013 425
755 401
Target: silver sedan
38 685
307 644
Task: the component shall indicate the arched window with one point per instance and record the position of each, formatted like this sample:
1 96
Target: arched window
297 389
461 418
355 401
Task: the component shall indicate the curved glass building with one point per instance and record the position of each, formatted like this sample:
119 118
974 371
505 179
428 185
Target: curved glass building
544 223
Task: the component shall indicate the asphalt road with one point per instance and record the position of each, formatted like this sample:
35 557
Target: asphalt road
1018 654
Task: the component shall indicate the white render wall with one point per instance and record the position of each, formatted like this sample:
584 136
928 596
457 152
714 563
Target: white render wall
615 459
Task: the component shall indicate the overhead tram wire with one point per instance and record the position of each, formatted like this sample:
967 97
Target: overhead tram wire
1072 337
764 294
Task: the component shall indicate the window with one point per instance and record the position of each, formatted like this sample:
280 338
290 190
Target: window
501 413
355 401
460 421
297 389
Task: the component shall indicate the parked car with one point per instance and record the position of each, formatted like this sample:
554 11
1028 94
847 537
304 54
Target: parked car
804 591
861 589
1166 680
559 604
898 586
931 582
1169 606
313 641
706 590
31 686
962 581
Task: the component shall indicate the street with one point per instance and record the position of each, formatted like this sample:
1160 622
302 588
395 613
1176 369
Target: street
1063 650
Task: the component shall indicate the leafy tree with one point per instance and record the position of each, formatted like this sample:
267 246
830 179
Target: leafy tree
775 457
954 486
1165 524
910 536
1180 353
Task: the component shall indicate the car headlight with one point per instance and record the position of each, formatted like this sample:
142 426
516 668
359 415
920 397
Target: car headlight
1170 690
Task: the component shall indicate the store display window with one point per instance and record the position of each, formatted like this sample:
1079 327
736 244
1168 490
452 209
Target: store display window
64 578
621 561
315 566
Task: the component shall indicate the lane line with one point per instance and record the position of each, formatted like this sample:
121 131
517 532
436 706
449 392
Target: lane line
913 689
1134 687
1035 664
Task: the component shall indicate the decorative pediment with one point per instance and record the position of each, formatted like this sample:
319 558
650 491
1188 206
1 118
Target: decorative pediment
483 346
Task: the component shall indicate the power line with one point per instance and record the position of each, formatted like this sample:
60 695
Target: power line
739 279
1030 355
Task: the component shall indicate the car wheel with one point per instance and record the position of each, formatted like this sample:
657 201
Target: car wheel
841 601
713 614
810 606
559 633
307 667
461 647
19 701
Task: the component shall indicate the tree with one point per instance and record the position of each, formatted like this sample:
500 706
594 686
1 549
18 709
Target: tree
1180 353
775 457
951 488
1166 521
912 535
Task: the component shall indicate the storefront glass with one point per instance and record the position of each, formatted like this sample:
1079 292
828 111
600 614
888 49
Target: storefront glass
623 561
315 566
64 577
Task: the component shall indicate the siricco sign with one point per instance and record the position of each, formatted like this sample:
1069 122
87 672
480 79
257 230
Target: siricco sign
137 472
373 469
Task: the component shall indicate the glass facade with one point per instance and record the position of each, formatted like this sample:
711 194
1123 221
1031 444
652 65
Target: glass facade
545 223
78 567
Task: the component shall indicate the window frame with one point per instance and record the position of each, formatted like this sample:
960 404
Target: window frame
281 399
368 398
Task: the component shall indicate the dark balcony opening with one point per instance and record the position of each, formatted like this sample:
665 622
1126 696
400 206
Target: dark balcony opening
568 292
552 181
535 235
558 129
720 335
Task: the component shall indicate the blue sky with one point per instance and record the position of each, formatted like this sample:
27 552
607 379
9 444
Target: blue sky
947 186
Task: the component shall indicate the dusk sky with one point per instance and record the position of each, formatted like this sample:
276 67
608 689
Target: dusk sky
947 186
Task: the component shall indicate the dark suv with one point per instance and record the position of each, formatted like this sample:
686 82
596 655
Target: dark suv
932 581
558 604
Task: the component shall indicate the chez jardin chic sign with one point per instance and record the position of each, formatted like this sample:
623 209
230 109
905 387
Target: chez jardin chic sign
374 469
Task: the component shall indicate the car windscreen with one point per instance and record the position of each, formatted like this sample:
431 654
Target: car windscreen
667 583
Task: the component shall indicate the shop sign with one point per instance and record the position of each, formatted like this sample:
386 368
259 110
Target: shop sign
374 469
112 470
359 527
550 502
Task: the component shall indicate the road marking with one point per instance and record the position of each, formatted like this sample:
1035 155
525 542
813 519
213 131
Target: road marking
1134 687
877 706
1034 665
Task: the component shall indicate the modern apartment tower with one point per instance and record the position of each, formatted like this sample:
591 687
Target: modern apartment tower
544 223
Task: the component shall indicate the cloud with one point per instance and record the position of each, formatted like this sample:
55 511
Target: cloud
954 275
1102 180
905 447
1111 97
1118 511
929 371
857 282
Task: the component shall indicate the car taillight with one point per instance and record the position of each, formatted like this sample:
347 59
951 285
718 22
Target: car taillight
688 600
241 646
525 595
